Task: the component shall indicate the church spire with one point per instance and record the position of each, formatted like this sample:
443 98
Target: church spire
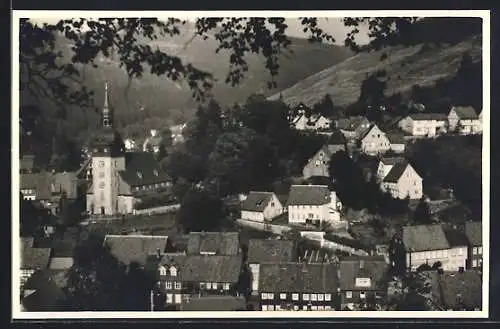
107 115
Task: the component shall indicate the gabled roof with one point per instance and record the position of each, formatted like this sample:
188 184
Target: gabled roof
474 233
428 116
256 201
134 248
142 168
454 290
396 138
313 195
222 243
369 130
391 161
465 112
35 258
373 267
424 238
336 138
298 278
455 238
276 251
396 172
351 123
44 182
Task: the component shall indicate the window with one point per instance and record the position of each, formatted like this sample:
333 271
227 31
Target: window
295 308
173 271
101 163
226 286
348 294
155 172
169 298
202 285
328 297
214 285
278 308
270 307
295 297
168 285
209 285
178 285
163 270
283 296
270 296
304 308
272 204
264 307
263 296
474 251
305 297
314 297
314 308
101 174
328 307
362 295
480 250
320 297
178 298
101 185
474 263
321 308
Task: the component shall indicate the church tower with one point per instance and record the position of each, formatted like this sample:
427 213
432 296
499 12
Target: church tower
108 159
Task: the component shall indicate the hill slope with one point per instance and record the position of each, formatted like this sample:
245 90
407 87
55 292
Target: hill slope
405 66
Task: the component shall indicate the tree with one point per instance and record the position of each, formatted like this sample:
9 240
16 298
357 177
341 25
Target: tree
183 164
422 213
95 279
201 211
349 182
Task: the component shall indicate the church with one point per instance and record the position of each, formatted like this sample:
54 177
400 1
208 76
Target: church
119 179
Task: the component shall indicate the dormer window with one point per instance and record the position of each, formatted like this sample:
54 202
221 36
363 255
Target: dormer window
106 123
139 174
155 172
162 270
173 271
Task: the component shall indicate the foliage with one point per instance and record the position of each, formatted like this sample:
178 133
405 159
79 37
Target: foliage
201 211
422 213
32 218
156 200
327 108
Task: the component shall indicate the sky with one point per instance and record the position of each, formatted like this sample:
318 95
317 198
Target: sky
332 25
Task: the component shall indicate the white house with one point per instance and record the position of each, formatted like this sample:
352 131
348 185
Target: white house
261 206
312 203
464 120
399 178
424 124
429 244
129 144
313 122
374 141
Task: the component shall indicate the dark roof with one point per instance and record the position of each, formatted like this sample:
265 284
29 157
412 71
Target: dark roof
134 248
336 138
425 238
142 168
392 160
203 268
396 138
455 238
222 243
428 116
298 277
277 251
49 184
256 201
215 303
351 123
35 258
308 195
466 112
452 290
474 233
455 214
352 267
396 172
47 295
367 131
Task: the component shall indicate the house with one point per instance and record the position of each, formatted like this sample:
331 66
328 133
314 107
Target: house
424 124
48 187
152 143
312 204
457 255
181 277
26 164
134 249
268 251
464 120
352 127
397 142
399 178
311 122
374 141
428 244
474 234
43 292
214 243
363 282
32 260
120 179
457 291
261 206
298 287
318 164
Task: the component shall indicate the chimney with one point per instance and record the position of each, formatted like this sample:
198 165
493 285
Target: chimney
158 253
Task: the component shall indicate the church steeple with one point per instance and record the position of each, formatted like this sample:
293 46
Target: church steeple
107 113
